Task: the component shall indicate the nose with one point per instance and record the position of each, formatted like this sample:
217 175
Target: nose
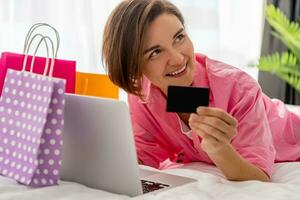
175 57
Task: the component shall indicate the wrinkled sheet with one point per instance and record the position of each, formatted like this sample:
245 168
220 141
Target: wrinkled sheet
210 184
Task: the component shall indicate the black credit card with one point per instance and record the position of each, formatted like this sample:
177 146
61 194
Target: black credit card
184 99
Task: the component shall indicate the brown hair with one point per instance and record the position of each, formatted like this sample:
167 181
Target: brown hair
123 40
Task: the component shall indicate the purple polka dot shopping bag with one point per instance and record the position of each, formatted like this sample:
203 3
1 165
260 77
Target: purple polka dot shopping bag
31 124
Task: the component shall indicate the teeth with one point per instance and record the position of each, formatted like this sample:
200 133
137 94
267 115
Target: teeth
177 72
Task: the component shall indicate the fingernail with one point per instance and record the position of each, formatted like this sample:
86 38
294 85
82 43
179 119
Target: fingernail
192 116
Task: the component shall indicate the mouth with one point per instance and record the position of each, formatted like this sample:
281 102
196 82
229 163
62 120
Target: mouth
177 72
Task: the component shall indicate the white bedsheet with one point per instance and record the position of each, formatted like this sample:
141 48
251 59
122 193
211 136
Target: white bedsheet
210 184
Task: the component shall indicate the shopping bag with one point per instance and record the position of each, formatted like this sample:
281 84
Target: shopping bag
32 121
95 85
64 69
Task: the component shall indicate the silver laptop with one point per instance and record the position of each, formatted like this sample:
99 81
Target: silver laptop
99 150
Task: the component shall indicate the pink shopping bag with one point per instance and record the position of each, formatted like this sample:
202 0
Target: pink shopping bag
64 69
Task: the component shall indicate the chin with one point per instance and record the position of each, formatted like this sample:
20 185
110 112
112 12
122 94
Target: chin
189 80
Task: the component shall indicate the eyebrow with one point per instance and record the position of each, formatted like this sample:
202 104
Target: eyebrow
157 46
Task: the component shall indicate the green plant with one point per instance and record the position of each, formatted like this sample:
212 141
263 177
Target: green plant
285 65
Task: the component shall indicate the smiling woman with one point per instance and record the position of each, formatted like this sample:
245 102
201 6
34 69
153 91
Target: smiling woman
146 48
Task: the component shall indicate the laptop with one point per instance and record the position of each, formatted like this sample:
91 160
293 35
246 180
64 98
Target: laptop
99 149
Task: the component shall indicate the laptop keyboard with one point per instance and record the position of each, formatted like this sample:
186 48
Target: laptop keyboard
149 186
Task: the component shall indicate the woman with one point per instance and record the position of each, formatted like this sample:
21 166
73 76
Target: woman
146 48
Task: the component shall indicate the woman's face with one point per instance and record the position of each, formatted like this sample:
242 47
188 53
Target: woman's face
169 53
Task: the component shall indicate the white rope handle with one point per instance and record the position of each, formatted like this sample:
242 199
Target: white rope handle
27 50
43 39
33 28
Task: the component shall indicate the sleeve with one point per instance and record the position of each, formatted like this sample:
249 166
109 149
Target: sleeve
254 139
149 150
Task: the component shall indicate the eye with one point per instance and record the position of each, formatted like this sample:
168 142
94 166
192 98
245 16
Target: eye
179 37
154 53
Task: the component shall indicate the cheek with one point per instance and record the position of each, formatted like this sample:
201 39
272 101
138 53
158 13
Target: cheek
153 70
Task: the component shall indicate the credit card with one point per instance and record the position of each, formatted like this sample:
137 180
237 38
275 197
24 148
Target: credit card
184 99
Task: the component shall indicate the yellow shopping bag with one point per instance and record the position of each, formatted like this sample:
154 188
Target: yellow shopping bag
95 85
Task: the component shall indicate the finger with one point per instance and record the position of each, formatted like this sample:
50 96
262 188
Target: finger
199 132
219 113
211 139
209 130
214 122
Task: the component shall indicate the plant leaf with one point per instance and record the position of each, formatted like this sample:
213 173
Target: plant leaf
286 31
284 65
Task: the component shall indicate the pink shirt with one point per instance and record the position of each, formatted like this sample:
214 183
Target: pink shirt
267 131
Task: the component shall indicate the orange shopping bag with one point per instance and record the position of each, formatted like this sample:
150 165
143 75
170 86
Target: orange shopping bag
95 85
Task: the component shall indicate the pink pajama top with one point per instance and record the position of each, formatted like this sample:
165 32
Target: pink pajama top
267 131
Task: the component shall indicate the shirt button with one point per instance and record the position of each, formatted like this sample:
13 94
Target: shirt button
180 155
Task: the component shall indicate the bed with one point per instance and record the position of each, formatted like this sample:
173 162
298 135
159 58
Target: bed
210 184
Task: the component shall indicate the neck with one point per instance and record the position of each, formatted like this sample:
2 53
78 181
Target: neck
185 118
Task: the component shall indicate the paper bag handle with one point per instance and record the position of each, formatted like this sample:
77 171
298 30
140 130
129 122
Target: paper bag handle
33 28
43 39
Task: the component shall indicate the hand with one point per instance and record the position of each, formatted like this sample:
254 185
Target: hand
215 126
